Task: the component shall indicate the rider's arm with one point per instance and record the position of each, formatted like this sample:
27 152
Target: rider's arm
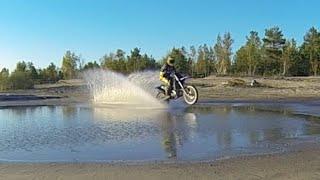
162 73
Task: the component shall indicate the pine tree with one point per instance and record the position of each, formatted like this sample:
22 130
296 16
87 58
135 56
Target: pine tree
4 79
134 61
311 49
253 46
69 65
33 72
223 53
181 62
273 44
241 64
192 60
289 56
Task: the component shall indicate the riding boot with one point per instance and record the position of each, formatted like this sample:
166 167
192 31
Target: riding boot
169 91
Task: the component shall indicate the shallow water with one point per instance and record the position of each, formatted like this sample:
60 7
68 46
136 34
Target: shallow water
205 131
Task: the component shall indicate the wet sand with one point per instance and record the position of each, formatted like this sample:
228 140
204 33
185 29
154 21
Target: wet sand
304 163
39 99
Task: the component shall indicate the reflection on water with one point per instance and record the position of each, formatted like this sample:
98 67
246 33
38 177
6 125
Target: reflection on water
169 135
84 133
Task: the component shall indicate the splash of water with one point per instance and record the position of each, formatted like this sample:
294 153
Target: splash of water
146 79
108 87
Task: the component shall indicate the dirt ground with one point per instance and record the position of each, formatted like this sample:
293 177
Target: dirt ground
266 88
210 88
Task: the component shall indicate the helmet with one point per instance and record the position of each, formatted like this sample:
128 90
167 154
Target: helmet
170 61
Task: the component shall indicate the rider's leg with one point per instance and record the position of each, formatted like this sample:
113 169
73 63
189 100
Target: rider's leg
170 87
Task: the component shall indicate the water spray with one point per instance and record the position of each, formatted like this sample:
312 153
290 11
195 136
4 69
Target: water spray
108 87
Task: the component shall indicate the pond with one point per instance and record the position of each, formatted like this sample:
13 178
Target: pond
206 131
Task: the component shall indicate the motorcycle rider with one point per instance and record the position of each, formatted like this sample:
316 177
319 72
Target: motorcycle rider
165 72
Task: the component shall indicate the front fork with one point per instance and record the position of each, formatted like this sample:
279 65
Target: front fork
182 87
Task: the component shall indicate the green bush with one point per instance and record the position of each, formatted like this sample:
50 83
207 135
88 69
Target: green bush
4 79
21 80
3 83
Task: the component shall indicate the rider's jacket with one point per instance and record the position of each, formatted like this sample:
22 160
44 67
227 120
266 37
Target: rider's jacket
165 72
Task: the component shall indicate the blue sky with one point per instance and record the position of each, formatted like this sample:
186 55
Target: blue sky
42 30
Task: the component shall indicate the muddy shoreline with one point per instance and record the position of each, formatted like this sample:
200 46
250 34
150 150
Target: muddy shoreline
303 163
220 94
34 100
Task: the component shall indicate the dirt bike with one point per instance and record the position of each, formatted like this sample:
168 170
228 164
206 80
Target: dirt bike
179 89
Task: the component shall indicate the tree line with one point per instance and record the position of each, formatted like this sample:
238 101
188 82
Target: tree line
270 55
275 55
26 75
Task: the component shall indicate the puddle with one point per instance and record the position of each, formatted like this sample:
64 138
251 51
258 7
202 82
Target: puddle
205 131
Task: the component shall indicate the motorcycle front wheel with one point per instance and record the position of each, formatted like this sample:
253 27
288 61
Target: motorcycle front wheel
191 96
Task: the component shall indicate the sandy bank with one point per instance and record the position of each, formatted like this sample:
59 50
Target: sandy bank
301 164
214 88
